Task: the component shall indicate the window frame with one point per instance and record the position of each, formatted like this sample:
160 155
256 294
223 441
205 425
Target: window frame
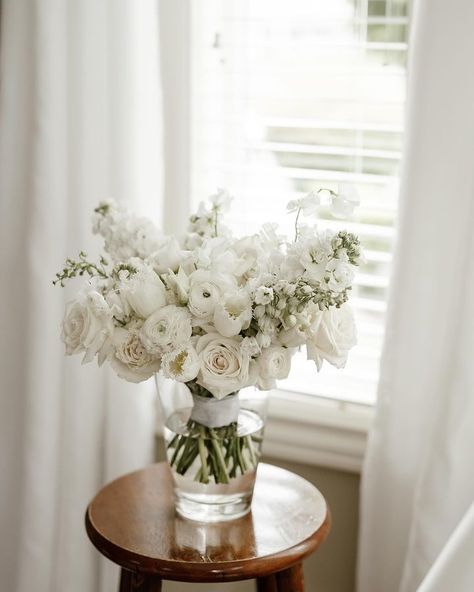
310 429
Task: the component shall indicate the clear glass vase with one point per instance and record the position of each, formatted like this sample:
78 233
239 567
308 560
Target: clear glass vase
213 448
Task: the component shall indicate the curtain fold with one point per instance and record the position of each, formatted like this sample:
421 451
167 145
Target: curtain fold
79 122
418 480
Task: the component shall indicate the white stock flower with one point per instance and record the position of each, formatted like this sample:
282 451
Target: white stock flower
225 367
339 275
181 364
87 325
233 314
125 235
331 336
131 361
166 328
144 291
273 364
263 295
249 345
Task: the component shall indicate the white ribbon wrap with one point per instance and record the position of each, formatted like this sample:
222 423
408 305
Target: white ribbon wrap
215 413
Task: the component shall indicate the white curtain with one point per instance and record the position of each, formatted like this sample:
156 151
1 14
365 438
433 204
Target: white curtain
79 122
418 478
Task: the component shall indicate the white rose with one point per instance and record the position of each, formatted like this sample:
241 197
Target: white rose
339 275
131 360
144 291
274 364
205 293
166 328
87 325
181 364
225 367
331 336
233 315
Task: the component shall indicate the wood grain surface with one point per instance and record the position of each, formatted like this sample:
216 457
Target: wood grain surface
133 522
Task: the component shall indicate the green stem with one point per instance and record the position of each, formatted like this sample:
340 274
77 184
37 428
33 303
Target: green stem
296 224
202 454
219 457
253 458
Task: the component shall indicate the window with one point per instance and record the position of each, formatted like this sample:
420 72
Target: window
291 96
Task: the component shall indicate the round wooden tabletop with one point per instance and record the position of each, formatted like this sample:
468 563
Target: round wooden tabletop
133 522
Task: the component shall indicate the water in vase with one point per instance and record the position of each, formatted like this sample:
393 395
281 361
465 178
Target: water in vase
214 469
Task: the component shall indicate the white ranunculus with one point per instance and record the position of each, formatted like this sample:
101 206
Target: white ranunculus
87 325
339 275
331 336
166 328
274 364
144 291
233 314
205 293
181 364
225 367
131 360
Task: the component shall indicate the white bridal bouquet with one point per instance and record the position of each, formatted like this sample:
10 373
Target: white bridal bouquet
213 311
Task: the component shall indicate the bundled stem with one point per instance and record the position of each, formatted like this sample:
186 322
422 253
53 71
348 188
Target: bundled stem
223 454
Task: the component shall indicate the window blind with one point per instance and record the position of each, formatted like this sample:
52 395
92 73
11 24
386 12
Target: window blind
287 97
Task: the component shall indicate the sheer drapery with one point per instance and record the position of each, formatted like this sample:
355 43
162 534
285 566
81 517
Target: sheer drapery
418 480
79 122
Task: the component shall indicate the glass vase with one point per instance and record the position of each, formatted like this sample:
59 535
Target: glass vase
213 448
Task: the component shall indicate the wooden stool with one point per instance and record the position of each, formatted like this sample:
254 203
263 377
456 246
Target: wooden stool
133 522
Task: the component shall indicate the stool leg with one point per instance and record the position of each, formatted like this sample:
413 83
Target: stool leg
291 579
131 581
267 584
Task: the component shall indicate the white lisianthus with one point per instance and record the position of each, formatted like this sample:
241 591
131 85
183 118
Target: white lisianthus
339 275
87 325
144 291
166 328
181 364
225 367
131 360
331 336
205 293
273 364
233 314
169 257
264 295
